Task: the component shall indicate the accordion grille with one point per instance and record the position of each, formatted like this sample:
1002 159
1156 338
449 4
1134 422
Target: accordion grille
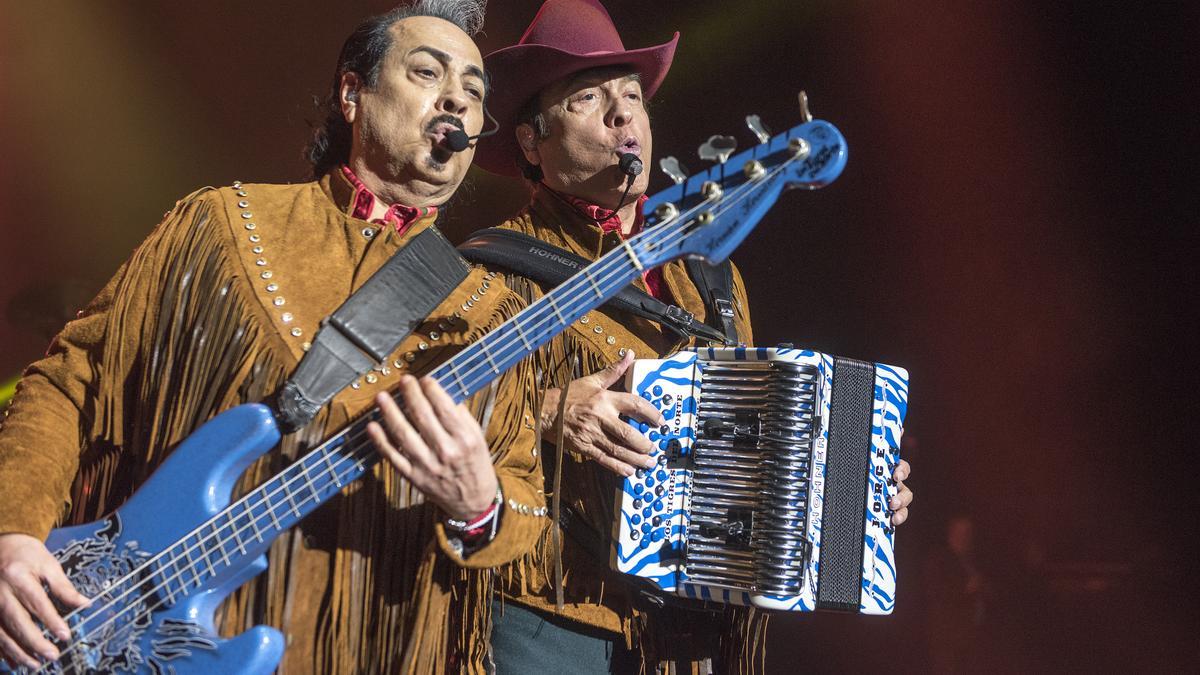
752 460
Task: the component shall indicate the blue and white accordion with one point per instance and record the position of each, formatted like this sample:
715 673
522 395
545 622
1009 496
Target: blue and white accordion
773 479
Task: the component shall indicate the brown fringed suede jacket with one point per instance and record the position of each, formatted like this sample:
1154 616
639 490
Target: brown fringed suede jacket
215 309
595 594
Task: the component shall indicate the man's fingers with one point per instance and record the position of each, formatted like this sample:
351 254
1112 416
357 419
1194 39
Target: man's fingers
421 415
34 598
603 452
615 465
13 653
898 517
63 589
902 498
903 469
633 447
390 453
613 373
402 436
636 407
456 419
19 624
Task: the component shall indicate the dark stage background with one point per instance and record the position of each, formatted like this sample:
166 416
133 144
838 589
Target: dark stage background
1011 227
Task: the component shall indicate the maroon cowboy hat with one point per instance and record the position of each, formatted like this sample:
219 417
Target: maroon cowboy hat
565 37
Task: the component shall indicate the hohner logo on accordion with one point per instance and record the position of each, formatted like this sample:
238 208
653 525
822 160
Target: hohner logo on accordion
773 479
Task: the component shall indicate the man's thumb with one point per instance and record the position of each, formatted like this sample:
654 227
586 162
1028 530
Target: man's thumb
615 371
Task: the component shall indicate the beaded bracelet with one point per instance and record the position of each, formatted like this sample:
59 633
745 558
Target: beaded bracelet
475 526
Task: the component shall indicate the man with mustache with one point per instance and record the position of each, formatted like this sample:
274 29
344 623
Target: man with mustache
574 99
217 307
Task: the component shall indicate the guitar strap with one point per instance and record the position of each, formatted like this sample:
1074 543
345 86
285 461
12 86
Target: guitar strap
371 324
535 259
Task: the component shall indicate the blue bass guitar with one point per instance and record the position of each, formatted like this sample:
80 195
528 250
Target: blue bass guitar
157 568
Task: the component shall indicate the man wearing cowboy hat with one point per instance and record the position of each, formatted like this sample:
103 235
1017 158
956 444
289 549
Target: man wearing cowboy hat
574 98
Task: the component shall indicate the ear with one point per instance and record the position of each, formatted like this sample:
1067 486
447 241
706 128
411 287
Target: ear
349 90
527 139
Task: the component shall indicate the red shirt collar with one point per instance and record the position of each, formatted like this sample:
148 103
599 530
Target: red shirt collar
398 215
607 219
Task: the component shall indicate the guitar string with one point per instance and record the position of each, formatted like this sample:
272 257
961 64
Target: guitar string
669 237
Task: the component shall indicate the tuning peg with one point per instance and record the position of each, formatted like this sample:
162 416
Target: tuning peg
759 129
674 169
718 148
804 113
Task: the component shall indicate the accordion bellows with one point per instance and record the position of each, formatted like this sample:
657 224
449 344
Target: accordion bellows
773 480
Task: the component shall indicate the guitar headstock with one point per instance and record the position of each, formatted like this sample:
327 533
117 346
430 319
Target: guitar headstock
714 210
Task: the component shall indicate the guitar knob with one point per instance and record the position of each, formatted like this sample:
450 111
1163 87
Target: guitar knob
717 148
804 113
674 169
759 129
666 211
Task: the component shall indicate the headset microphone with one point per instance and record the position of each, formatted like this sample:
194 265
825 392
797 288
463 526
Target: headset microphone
457 140
630 164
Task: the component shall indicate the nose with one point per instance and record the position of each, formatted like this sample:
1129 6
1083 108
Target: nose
453 100
620 114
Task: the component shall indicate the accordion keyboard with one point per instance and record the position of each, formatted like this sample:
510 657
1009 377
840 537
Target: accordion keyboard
749 496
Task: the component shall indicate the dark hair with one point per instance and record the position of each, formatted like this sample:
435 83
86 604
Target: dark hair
531 113
363 53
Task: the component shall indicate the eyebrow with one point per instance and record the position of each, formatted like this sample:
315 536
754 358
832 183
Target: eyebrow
578 79
445 59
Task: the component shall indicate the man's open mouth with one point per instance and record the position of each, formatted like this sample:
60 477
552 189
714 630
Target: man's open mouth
441 125
630 145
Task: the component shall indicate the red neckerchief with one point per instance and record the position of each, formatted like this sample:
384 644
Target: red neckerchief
609 221
398 215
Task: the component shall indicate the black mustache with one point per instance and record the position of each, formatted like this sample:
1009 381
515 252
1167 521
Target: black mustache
446 119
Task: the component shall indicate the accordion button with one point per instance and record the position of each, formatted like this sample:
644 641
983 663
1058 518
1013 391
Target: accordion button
662 459
658 535
643 427
663 444
668 400
645 543
649 481
636 519
657 390
637 503
665 429
658 505
645 528
646 512
657 521
654 436
635 535
659 490
638 488
661 475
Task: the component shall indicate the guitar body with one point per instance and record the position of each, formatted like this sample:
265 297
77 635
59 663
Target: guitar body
190 487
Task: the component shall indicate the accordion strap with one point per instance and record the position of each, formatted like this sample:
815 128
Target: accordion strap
535 259
371 324
715 284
